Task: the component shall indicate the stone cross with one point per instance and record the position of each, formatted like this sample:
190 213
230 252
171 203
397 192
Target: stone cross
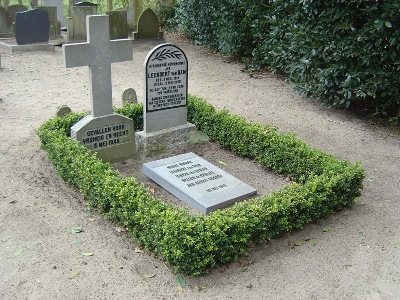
98 53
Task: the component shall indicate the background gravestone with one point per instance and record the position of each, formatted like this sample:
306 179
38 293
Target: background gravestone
60 10
118 24
13 9
148 25
76 26
5 21
55 25
32 27
129 17
129 95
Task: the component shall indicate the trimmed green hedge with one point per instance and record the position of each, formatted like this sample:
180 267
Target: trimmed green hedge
344 51
193 244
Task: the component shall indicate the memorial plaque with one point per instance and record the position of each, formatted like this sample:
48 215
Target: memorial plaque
166 77
197 182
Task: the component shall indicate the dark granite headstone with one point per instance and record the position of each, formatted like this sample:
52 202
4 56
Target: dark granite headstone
13 9
84 3
32 26
5 21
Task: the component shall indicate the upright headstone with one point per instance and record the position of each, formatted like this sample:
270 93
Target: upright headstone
14 9
108 134
32 27
60 10
55 26
5 21
129 17
76 26
197 182
129 95
118 24
165 98
148 25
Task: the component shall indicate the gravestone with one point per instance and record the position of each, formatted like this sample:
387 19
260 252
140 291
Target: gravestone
13 9
129 95
148 25
165 98
32 27
6 25
108 134
63 110
55 26
60 10
129 17
197 182
76 25
118 24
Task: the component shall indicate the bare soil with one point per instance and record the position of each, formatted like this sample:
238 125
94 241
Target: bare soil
354 254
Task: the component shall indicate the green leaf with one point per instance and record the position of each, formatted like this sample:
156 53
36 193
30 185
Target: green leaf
299 243
222 163
149 275
327 229
77 229
73 274
181 281
312 242
388 24
395 244
87 254
77 242
19 252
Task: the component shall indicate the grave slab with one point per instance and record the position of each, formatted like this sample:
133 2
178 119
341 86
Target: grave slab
197 182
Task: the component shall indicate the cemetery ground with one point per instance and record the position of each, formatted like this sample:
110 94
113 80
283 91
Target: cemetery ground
353 254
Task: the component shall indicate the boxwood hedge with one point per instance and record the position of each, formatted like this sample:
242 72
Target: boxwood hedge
193 244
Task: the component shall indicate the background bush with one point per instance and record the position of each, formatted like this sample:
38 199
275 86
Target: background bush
347 52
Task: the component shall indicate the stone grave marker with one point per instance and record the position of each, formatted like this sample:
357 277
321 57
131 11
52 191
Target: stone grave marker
76 25
13 9
165 97
60 10
197 182
32 27
55 25
148 25
129 17
108 134
129 95
63 110
6 25
118 24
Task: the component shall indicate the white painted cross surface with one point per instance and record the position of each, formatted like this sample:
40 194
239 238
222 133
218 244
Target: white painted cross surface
98 53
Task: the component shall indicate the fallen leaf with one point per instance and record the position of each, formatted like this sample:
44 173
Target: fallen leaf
326 229
222 163
395 244
312 242
298 243
77 229
92 219
19 252
139 250
87 254
149 275
151 190
181 281
200 287
73 274
77 242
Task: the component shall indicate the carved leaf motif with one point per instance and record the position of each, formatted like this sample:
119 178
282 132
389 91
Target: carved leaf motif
167 53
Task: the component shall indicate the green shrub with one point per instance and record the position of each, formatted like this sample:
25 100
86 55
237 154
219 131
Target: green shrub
345 51
193 244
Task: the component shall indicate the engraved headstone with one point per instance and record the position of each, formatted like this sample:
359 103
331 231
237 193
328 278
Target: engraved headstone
5 21
197 182
32 27
13 9
108 134
165 98
129 95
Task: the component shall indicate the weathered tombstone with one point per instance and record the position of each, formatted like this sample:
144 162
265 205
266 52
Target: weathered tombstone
5 21
76 26
63 110
13 9
165 98
60 10
55 26
108 134
118 24
32 27
148 25
197 182
129 95
129 17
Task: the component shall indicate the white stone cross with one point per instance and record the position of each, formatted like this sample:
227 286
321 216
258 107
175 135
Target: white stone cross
98 53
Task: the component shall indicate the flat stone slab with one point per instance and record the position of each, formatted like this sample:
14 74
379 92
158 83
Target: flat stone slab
27 48
197 182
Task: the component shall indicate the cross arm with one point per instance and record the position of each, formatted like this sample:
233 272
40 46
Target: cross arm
77 55
121 50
